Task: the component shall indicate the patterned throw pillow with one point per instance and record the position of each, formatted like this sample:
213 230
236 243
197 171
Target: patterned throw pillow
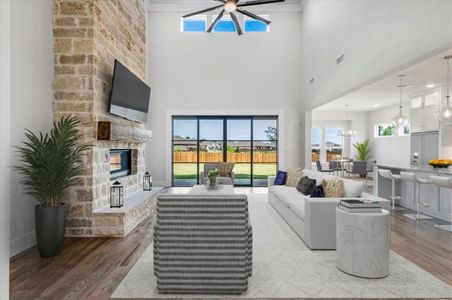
293 177
334 188
306 185
225 168
281 178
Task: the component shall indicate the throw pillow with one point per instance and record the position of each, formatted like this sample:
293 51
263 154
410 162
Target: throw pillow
318 192
306 185
293 177
225 168
281 178
334 188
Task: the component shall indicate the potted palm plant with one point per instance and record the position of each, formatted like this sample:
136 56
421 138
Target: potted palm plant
363 150
49 163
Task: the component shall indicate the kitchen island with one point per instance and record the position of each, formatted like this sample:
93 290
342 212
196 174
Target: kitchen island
436 201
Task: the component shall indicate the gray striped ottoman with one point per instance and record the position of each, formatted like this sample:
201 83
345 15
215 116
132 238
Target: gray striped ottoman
202 244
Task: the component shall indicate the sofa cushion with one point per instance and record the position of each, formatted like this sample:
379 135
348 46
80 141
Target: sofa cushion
318 192
306 185
334 188
225 168
286 194
281 178
293 177
353 189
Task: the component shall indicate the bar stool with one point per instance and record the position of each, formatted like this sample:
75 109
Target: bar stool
418 181
444 182
394 178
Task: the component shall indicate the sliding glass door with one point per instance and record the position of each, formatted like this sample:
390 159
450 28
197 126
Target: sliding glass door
250 142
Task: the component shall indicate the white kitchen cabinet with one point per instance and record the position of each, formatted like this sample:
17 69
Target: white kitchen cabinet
423 119
417 120
431 122
423 109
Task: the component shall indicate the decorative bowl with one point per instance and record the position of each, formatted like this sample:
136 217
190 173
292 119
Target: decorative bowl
440 166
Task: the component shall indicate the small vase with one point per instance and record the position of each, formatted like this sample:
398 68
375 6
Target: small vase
212 184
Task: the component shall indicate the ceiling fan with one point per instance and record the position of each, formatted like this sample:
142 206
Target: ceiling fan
231 6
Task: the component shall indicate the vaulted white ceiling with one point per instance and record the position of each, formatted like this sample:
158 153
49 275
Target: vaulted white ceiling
423 76
178 5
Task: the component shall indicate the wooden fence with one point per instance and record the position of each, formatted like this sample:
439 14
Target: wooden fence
191 157
316 157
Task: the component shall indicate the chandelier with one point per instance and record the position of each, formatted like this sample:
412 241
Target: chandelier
349 133
445 114
400 121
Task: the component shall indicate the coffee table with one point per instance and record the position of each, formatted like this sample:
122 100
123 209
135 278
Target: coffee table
202 190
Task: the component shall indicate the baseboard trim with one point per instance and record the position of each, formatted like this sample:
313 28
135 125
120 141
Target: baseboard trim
22 243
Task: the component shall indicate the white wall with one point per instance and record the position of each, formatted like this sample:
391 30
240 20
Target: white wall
31 91
203 73
5 97
389 150
377 38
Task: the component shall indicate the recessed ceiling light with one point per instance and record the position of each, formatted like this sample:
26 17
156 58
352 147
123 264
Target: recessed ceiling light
376 105
430 85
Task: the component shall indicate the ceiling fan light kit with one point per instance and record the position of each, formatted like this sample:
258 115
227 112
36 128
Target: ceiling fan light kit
231 7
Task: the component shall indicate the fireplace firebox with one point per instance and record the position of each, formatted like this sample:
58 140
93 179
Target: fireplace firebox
120 163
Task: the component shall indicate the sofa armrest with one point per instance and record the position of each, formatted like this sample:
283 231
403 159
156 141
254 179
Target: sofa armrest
271 180
320 223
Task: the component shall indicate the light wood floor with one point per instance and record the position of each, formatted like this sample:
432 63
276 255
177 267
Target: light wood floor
92 268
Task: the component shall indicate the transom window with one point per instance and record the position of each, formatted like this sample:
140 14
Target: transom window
385 129
194 24
226 24
252 25
389 129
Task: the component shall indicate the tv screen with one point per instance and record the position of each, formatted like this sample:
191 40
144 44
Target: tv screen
129 95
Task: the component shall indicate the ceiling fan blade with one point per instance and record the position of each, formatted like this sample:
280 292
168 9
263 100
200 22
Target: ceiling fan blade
219 0
236 22
216 21
251 15
202 11
260 2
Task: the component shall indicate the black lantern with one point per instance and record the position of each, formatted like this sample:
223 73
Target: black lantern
116 195
147 182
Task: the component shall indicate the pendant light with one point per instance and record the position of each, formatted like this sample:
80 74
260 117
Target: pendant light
445 114
346 132
400 121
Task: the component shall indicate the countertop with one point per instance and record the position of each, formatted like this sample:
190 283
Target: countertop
421 169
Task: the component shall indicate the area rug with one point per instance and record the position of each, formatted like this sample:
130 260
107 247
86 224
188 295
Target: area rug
285 268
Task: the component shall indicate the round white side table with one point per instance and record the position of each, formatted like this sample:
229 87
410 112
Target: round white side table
363 243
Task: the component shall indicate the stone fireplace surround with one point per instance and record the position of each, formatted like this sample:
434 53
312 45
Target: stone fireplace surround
88 36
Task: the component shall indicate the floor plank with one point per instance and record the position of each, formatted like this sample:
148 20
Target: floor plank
92 268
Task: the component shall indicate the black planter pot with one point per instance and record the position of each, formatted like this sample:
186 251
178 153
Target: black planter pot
50 225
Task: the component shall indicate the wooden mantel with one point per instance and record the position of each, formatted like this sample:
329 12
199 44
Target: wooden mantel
110 131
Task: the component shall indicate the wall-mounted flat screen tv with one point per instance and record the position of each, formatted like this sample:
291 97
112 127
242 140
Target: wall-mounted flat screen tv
129 96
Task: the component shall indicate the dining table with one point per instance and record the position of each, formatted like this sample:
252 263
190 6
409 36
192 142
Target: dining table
342 163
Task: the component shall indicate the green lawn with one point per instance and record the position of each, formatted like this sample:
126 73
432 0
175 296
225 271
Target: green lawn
242 171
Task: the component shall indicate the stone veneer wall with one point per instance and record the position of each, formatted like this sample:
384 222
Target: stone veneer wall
88 36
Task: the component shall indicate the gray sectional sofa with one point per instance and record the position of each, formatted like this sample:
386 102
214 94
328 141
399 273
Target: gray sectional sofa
314 219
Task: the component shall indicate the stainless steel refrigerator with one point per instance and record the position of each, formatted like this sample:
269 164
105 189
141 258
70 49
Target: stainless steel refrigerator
424 147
